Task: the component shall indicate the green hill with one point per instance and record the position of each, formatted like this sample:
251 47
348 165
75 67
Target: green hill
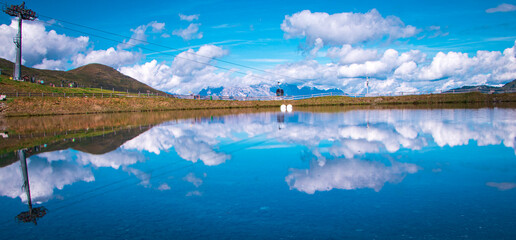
89 76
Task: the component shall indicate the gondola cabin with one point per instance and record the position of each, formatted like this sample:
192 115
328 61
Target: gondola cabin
280 92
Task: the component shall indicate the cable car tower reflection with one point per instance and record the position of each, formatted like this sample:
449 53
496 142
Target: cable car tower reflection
34 213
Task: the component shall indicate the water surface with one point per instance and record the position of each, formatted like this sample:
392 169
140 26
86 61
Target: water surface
364 173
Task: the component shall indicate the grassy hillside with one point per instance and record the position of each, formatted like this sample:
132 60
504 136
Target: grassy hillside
89 76
11 86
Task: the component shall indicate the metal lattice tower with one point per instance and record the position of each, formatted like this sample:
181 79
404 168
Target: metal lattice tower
23 14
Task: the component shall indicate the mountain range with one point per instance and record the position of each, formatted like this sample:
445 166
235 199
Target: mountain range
265 90
508 87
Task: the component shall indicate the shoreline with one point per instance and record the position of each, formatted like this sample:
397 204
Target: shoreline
48 106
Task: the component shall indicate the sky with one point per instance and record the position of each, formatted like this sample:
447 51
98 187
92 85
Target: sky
399 46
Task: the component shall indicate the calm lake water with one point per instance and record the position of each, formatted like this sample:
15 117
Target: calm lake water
372 174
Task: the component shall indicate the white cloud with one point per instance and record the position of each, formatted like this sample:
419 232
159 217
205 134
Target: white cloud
318 44
345 28
436 31
139 35
40 44
49 50
51 64
157 27
191 32
188 18
110 57
348 174
225 25
189 72
485 68
347 54
504 7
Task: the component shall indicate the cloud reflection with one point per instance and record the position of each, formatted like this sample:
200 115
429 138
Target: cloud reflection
348 174
345 137
502 186
44 176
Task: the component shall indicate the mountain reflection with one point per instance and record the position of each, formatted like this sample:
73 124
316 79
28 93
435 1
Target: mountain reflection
338 142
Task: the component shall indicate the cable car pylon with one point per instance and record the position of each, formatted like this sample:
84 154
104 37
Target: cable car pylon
21 13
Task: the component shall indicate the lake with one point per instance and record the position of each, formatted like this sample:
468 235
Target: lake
318 173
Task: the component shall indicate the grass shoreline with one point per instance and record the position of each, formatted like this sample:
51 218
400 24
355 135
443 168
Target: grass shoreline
43 106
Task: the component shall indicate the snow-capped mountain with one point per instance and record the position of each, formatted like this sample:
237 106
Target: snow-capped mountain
264 90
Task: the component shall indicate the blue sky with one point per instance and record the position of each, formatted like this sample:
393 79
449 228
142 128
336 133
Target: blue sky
440 40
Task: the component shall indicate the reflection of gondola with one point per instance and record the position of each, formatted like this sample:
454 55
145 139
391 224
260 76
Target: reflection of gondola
281 121
279 91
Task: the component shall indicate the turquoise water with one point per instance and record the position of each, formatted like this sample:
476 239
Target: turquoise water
371 174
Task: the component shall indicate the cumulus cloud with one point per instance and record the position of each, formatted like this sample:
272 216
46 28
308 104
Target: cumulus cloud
345 28
40 47
189 72
46 49
188 18
347 54
487 67
381 67
51 64
191 32
110 57
504 7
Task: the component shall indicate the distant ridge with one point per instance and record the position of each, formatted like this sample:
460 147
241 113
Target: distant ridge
91 75
511 86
